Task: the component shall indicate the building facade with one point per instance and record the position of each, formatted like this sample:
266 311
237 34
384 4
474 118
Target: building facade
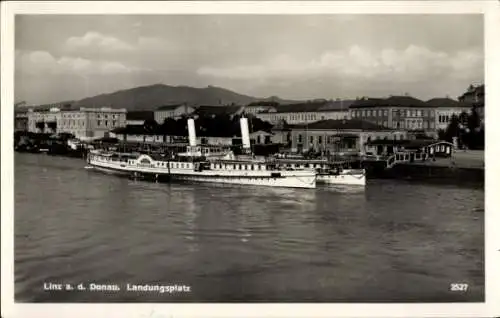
21 121
172 111
339 135
445 108
307 112
85 123
396 112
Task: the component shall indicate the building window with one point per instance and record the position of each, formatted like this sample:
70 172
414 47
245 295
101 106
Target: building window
98 123
320 139
300 138
311 139
386 112
364 113
385 123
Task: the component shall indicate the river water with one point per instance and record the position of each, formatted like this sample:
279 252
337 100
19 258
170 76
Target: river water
392 241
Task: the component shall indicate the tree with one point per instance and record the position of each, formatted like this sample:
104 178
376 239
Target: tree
474 120
441 134
150 125
40 125
453 129
463 119
52 125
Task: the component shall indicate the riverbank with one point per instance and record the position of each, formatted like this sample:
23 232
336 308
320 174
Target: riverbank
464 167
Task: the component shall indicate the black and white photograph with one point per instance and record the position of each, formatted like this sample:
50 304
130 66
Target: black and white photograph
248 157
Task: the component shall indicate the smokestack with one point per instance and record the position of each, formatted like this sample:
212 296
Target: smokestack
245 135
192 132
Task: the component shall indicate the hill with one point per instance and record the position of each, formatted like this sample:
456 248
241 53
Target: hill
153 96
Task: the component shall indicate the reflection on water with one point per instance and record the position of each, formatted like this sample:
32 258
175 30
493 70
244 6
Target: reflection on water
393 241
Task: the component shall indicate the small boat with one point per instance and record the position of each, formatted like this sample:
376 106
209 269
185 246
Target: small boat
327 172
342 176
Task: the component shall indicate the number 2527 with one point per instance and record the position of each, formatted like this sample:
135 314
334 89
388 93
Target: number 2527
459 287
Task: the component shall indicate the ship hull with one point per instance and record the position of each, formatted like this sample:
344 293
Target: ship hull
300 179
357 179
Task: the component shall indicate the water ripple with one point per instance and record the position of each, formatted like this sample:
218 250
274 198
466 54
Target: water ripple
390 240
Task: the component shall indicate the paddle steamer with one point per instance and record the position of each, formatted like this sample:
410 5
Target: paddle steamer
204 164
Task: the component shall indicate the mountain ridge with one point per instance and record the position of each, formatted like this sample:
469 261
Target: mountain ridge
150 97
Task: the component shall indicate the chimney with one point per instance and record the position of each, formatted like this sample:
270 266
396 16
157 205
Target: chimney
245 135
192 132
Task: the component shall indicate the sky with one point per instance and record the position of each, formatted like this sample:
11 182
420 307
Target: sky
69 57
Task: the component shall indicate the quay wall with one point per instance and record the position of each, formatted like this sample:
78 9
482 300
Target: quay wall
429 173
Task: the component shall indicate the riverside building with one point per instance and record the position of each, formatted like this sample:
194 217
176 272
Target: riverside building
84 123
396 112
308 112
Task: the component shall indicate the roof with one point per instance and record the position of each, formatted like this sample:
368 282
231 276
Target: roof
134 130
315 106
263 103
169 107
348 124
262 132
417 143
217 110
444 102
159 130
394 101
140 115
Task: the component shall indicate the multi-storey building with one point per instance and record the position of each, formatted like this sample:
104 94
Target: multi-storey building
172 111
85 123
20 120
307 112
474 96
339 135
445 108
398 112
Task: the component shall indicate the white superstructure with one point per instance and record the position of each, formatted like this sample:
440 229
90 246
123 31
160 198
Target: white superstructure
327 173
